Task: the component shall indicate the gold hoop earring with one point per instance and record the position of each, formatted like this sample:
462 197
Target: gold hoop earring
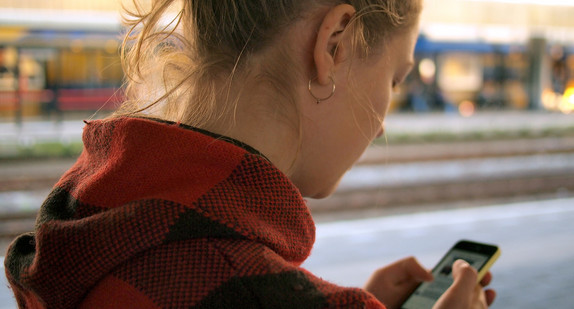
319 100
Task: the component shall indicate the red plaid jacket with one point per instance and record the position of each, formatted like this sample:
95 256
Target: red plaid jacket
161 215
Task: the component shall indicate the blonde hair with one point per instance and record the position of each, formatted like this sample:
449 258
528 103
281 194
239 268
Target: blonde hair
176 66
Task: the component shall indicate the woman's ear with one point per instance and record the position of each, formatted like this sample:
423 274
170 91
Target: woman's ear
329 37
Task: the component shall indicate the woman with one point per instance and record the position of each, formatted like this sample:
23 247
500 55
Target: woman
191 195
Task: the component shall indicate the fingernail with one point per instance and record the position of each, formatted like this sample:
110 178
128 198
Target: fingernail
462 263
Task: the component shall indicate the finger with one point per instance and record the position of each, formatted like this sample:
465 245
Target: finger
415 270
490 295
486 279
464 276
460 294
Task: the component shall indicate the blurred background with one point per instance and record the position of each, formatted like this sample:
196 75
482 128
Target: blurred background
479 142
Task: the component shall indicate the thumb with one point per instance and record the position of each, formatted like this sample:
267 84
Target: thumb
415 270
464 277
459 294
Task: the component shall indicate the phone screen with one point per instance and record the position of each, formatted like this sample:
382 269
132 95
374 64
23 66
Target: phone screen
428 293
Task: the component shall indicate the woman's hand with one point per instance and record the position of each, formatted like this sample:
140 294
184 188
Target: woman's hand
394 283
464 292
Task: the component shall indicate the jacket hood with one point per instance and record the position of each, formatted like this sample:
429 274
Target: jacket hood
140 183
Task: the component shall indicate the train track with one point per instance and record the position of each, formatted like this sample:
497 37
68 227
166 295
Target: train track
390 199
14 224
444 151
555 181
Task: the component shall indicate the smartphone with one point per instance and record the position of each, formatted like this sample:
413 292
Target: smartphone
478 255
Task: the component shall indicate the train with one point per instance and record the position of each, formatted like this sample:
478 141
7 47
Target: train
53 62
68 63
